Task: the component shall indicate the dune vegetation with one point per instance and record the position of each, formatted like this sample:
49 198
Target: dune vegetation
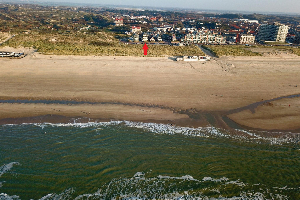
276 49
231 50
96 43
296 51
288 49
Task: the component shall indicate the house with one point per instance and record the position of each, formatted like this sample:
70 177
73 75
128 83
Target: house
136 29
246 39
136 37
152 39
118 22
158 38
161 19
145 37
219 39
204 38
231 37
174 37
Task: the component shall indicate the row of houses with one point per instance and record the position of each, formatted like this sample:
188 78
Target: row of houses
145 37
195 37
213 38
118 21
266 32
204 38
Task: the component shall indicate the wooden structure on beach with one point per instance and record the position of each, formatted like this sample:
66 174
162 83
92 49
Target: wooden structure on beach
11 54
193 58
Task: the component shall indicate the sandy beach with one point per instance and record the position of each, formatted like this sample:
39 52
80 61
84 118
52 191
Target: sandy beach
154 89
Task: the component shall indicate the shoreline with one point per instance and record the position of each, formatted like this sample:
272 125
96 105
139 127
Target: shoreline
135 113
154 89
175 127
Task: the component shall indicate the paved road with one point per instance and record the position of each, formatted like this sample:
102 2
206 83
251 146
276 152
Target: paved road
7 39
207 52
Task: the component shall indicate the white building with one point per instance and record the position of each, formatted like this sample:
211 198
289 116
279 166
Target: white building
136 37
145 37
272 32
282 32
253 21
204 37
136 29
249 21
247 39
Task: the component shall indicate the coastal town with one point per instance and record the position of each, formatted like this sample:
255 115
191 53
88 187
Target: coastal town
240 31
121 102
151 26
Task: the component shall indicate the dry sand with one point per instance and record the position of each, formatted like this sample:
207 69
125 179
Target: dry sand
157 89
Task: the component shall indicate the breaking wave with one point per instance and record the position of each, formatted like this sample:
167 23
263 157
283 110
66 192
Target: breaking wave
276 138
166 187
4 169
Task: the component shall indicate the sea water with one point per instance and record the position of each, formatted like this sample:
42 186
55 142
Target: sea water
130 160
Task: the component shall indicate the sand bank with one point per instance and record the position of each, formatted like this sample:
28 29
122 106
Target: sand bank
169 90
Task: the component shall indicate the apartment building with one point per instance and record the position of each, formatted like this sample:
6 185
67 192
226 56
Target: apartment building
246 39
272 32
204 38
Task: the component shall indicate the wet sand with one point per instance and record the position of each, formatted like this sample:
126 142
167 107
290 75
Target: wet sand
153 89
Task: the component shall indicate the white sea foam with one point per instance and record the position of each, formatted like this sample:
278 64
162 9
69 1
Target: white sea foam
157 187
236 183
6 167
223 179
186 177
206 132
62 196
4 196
139 187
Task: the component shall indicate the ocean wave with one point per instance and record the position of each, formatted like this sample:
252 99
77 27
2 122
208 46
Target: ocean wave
67 194
6 167
142 186
206 132
4 196
168 187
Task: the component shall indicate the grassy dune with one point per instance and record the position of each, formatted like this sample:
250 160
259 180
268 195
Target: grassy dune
98 44
289 49
296 51
278 49
231 50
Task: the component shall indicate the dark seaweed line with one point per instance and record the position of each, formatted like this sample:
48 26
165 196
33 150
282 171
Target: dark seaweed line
193 114
68 102
252 106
